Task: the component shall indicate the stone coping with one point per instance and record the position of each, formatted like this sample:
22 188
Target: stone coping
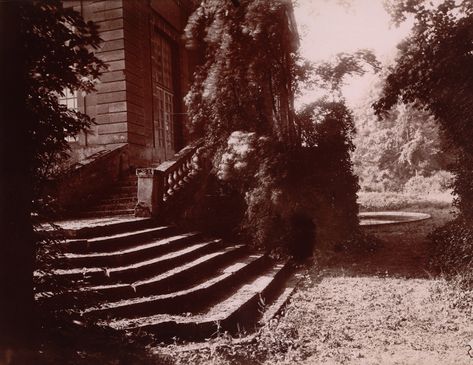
371 219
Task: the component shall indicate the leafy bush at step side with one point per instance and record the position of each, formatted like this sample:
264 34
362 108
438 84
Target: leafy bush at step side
60 46
294 194
288 198
452 248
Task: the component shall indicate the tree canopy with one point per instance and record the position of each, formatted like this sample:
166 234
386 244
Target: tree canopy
289 167
46 49
247 78
59 57
433 71
403 144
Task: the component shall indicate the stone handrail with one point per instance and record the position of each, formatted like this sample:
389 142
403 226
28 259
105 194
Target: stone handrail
82 182
158 185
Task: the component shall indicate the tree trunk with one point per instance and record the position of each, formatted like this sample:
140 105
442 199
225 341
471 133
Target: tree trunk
16 238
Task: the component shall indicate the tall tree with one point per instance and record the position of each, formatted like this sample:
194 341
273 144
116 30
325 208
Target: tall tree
405 143
46 49
434 72
16 291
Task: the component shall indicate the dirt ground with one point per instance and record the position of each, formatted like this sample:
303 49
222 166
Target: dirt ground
388 308
383 308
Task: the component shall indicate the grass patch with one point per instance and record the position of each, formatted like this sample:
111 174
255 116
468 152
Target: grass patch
374 201
337 317
327 318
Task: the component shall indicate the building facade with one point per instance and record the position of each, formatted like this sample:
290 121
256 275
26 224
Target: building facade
139 98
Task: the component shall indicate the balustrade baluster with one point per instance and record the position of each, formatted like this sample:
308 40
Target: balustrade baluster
181 175
195 163
172 176
187 173
170 191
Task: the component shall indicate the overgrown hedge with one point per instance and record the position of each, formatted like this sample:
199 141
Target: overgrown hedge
452 250
276 178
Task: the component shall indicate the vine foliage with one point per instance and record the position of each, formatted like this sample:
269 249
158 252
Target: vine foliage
433 72
289 170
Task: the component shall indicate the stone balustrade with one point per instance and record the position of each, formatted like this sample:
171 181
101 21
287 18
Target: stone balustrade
157 186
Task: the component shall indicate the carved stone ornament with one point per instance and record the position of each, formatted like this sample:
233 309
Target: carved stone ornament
145 172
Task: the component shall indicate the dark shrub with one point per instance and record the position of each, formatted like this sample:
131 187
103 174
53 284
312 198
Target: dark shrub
452 248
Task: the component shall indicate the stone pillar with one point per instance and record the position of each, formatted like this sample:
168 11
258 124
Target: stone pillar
150 192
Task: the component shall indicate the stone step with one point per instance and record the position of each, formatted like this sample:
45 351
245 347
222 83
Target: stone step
138 271
119 195
128 255
100 206
193 300
132 190
175 279
119 200
133 274
238 312
94 227
127 187
117 241
129 178
282 296
152 267
104 213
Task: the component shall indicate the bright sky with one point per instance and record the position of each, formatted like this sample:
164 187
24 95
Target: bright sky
326 28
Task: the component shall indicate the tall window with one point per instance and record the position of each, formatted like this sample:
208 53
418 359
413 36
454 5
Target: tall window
163 112
70 99
163 93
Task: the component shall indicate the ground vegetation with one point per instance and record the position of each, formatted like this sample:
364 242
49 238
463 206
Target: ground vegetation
386 307
432 73
291 170
404 151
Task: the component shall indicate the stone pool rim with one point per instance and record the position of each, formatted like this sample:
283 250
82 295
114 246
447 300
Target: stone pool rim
410 217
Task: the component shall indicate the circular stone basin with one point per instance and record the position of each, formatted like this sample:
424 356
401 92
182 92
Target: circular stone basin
382 218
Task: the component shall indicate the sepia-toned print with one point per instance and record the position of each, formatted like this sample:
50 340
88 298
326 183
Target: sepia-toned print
236 182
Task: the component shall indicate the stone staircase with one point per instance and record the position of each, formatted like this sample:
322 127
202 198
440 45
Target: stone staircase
119 200
136 275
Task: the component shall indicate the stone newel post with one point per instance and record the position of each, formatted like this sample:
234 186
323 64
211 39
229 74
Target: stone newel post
150 189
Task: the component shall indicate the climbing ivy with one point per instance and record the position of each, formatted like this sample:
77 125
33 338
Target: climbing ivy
291 171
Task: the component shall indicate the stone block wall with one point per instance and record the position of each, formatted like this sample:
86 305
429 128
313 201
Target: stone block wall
123 103
87 180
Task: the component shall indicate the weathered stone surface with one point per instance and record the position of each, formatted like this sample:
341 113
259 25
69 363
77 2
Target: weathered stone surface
142 210
148 190
147 282
188 300
130 31
90 177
